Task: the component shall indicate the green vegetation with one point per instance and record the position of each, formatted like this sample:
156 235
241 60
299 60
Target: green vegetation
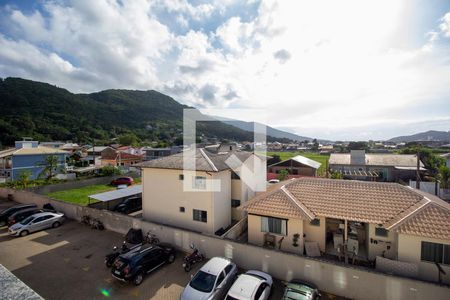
19 184
46 113
50 166
80 195
323 159
283 175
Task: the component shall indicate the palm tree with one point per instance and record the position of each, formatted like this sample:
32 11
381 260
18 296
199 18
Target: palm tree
50 165
444 177
24 177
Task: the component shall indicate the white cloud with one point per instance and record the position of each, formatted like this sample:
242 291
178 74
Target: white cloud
311 65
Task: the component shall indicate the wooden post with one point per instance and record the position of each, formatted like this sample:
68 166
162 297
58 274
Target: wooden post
345 231
418 170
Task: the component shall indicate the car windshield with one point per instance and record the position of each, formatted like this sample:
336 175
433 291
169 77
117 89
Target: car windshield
203 282
27 220
298 292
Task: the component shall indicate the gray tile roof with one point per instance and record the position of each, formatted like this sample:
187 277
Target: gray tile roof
204 161
399 160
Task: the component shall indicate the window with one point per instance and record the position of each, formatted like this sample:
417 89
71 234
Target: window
435 252
228 269
234 175
273 225
315 222
235 203
220 278
199 183
182 209
200 215
381 232
260 290
181 177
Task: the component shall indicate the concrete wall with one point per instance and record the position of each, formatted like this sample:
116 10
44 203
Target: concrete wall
315 233
336 278
45 189
222 201
376 249
256 236
32 163
409 250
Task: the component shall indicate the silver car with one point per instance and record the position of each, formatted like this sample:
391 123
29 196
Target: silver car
212 281
36 222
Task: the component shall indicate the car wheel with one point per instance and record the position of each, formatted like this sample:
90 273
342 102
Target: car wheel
56 224
138 279
2 223
24 233
171 258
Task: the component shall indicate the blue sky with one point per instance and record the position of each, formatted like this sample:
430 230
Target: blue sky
327 69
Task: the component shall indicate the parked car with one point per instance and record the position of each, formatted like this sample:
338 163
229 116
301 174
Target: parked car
5 214
253 285
122 181
129 205
299 289
212 281
23 214
135 264
36 222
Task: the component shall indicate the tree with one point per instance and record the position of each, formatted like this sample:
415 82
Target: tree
283 175
444 177
50 166
315 146
357 146
336 175
24 177
129 139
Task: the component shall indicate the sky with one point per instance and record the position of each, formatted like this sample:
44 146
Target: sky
339 70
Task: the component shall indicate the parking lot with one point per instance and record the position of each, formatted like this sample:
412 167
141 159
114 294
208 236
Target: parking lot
68 263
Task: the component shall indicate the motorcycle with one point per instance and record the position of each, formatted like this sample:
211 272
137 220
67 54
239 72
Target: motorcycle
151 238
111 257
192 258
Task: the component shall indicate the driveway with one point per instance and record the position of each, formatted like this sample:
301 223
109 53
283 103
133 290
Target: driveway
68 263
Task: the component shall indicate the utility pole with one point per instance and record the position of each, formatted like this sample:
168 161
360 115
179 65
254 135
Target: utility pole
418 169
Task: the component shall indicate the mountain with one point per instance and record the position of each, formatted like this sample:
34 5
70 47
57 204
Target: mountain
431 135
46 112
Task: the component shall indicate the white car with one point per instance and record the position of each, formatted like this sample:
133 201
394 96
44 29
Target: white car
253 285
36 222
212 281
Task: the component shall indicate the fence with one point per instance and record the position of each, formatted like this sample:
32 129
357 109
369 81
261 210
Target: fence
349 281
432 188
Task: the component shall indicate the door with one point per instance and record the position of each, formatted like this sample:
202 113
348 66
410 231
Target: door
262 292
220 287
36 224
157 259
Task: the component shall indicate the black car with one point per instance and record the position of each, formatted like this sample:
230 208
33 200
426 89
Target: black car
4 215
134 265
129 205
22 214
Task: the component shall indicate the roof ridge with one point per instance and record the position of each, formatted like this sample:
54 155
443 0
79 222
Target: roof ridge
208 160
411 214
300 205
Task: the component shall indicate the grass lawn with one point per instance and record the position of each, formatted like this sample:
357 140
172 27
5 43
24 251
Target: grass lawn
323 159
80 195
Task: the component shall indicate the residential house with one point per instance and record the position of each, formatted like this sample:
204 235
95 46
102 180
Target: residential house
29 156
154 153
112 157
375 166
201 198
364 219
296 166
94 154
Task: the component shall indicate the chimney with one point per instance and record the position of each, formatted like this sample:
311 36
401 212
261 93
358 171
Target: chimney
357 157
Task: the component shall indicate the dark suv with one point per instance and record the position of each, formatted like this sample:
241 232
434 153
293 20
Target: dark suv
129 205
4 215
23 214
134 265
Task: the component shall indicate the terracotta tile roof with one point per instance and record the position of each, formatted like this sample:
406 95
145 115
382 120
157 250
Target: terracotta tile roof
394 206
432 221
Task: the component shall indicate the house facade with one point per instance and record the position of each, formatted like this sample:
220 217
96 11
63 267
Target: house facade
28 156
354 220
360 165
202 199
